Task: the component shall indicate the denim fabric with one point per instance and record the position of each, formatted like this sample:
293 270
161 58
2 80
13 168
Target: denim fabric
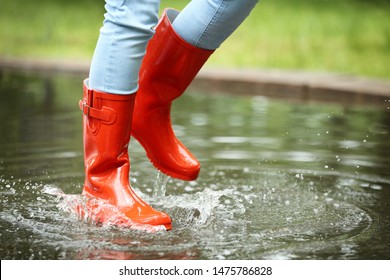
208 23
128 26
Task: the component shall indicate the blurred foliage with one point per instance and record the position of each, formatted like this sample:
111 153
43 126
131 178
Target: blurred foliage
349 36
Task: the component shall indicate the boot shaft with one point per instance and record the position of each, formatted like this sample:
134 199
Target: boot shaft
170 63
107 120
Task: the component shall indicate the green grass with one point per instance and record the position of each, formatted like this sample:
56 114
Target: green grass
348 36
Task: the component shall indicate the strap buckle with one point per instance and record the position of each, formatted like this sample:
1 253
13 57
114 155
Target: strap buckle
106 115
85 108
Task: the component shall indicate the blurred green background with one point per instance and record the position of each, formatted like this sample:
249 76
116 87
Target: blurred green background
341 36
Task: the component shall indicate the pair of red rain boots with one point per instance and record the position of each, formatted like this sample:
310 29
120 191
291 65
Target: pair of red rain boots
169 66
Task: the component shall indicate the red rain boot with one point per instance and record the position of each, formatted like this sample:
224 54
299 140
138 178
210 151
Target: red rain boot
169 66
107 120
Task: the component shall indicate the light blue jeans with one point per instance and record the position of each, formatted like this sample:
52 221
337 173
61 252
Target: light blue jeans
128 27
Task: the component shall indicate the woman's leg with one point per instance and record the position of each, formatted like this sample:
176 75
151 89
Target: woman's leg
127 28
107 107
207 23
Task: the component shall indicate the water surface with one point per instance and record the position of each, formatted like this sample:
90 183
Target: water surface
278 180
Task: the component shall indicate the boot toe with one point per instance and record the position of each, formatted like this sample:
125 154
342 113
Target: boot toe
149 217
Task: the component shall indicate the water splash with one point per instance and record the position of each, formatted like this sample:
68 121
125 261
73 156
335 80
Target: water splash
200 209
160 184
95 211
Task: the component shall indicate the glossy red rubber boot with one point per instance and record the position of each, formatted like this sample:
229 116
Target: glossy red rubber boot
169 66
107 120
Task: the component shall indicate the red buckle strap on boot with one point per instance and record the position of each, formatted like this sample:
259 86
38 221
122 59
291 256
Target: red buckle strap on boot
104 114
169 66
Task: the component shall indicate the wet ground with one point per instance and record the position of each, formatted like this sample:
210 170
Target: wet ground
279 180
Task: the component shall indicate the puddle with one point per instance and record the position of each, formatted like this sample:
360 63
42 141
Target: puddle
278 180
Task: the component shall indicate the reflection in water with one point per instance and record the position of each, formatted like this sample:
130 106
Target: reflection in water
278 180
